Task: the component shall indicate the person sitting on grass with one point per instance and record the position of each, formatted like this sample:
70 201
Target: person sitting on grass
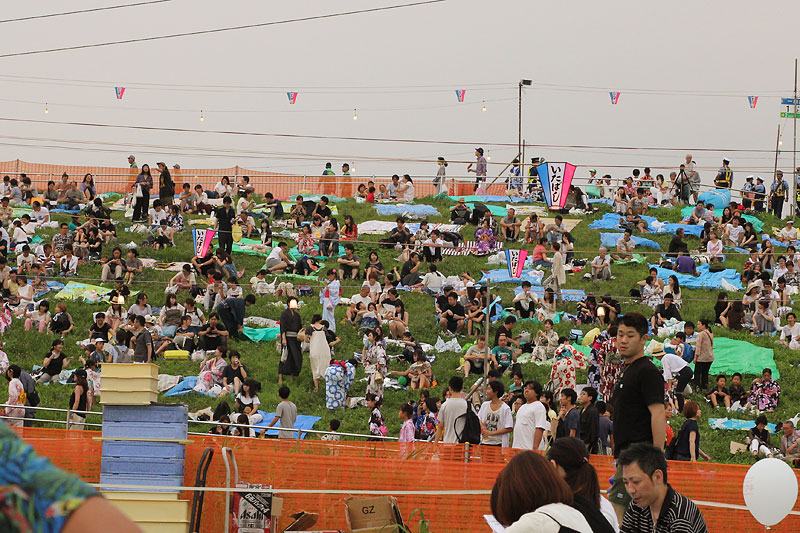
419 373
476 316
719 395
758 438
503 354
600 267
278 260
525 301
765 392
453 315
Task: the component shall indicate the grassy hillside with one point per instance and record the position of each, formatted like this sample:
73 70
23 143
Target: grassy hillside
29 348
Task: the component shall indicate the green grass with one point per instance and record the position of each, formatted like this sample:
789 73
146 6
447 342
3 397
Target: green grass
29 348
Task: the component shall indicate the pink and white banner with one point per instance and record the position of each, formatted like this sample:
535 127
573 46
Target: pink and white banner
516 262
292 97
556 179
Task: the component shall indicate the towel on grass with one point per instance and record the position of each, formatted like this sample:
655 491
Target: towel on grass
567 295
500 275
469 247
185 387
491 198
757 224
733 423
81 291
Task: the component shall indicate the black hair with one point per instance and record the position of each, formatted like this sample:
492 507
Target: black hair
601 407
407 409
456 383
497 387
591 392
648 457
637 322
571 455
571 394
284 392
334 424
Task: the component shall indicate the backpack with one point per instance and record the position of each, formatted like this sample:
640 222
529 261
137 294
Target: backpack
453 237
688 352
59 322
472 427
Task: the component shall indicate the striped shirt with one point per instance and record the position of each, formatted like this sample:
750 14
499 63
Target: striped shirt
678 515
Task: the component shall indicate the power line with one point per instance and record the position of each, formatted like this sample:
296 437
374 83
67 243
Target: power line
220 30
79 11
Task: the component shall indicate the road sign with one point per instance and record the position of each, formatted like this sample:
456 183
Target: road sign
790 101
790 115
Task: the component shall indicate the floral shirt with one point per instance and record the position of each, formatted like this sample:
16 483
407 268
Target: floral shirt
407 432
426 425
764 394
34 494
567 360
305 243
376 425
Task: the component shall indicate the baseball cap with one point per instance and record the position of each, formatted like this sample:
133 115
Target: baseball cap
131 156
479 150
725 159
98 339
593 171
759 178
779 171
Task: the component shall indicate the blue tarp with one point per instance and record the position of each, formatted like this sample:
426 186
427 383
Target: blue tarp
500 275
609 240
757 224
611 221
704 280
568 295
719 198
491 198
399 209
185 387
733 423
302 422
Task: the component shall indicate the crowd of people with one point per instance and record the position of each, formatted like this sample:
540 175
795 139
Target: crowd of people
623 409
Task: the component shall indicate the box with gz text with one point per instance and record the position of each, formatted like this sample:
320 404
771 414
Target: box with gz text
378 514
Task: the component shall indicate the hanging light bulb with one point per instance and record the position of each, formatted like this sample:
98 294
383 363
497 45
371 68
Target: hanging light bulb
46 111
484 106
780 143
488 157
202 118
355 114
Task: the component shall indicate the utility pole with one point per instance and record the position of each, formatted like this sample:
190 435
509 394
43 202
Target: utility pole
525 83
777 149
794 145
486 351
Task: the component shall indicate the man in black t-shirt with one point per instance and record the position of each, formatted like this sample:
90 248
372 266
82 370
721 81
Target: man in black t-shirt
664 311
100 329
677 245
638 400
453 314
507 329
224 225
213 334
234 374
322 209
274 206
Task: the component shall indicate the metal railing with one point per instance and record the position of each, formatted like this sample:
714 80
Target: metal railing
298 431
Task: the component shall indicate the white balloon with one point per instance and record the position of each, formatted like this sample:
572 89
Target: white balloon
770 490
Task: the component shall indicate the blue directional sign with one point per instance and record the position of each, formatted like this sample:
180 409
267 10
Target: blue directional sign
790 101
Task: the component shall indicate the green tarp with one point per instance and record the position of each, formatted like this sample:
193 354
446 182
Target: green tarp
757 224
496 210
732 356
261 334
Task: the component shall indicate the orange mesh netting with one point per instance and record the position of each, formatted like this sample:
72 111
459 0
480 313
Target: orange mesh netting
385 466
115 179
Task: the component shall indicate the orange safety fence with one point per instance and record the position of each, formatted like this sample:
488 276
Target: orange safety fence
119 179
389 466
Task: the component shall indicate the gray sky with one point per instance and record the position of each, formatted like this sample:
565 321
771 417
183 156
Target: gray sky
694 65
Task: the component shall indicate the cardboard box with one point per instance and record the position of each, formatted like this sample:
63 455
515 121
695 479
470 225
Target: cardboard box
368 515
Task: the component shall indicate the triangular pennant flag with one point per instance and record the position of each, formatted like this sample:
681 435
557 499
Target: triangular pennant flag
614 97
292 97
753 101
460 94
120 92
202 241
515 260
555 179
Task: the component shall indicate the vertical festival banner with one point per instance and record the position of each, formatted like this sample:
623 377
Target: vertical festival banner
614 97
120 92
753 100
556 179
516 262
460 94
202 240
292 97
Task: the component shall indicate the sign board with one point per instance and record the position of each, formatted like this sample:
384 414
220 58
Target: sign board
790 101
790 115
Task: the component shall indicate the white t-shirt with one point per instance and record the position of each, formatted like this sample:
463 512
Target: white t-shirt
223 190
529 417
275 254
449 415
793 332
433 281
601 261
374 288
240 205
438 242
157 216
42 215
671 364
31 259
358 299
494 420
20 235
408 195
789 233
736 232
248 401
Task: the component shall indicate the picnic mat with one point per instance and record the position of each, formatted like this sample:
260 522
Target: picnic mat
704 279
757 224
295 254
185 387
244 247
637 259
731 355
316 197
500 275
81 291
261 334
287 208
611 221
491 198
302 422
380 227
399 209
609 240
568 295
469 247
734 423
